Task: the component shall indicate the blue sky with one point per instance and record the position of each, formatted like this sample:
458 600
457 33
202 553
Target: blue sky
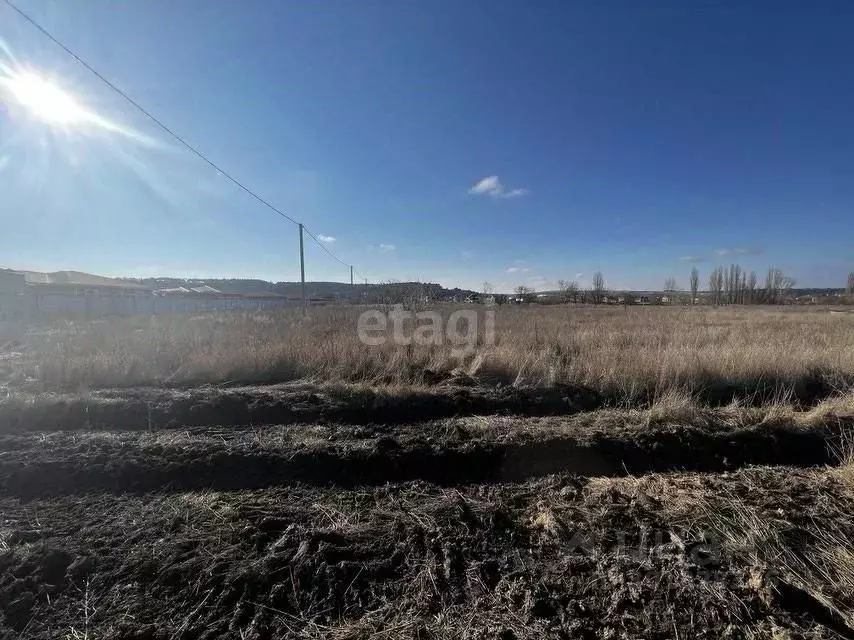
632 138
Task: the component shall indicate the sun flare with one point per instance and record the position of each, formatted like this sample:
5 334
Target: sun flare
46 101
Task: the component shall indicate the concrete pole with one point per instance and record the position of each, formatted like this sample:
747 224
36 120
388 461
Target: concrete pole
302 269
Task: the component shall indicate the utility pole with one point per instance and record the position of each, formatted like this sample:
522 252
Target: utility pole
301 269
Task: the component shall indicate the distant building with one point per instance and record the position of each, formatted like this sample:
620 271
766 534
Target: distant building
29 294
205 289
13 299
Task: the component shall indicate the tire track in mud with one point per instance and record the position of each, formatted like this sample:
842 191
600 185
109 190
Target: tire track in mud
58 464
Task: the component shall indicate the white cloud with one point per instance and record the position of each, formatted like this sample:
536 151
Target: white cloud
515 193
518 269
579 275
692 258
324 238
488 185
492 186
739 251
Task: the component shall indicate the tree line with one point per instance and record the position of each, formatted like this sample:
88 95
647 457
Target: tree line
734 285
725 285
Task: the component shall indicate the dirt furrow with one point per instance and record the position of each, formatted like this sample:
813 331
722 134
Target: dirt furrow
445 453
156 408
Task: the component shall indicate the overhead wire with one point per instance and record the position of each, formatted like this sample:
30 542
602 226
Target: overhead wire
171 132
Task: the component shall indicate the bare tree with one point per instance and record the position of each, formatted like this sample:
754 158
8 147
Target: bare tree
716 284
771 285
670 288
737 280
751 288
568 289
597 287
694 284
787 285
488 288
732 284
523 291
850 287
777 286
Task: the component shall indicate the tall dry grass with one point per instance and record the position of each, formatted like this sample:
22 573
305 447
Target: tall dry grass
634 354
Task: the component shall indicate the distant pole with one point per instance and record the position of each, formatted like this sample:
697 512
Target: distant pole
301 268
351 275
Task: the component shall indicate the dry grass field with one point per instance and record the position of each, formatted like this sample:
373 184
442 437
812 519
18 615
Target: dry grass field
630 355
593 472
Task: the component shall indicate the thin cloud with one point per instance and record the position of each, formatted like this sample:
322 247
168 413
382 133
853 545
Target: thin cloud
324 238
384 247
491 186
739 251
518 269
515 193
692 258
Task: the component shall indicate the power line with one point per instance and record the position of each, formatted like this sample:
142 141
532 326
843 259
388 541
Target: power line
143 110
324 247
362 276
165 128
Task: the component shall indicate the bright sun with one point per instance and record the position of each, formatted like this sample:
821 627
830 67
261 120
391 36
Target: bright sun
46 101
34 96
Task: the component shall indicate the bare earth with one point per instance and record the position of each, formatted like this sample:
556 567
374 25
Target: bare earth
286 512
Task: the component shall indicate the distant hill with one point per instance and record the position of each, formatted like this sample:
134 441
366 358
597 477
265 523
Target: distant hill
816 291
384 292
73 277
